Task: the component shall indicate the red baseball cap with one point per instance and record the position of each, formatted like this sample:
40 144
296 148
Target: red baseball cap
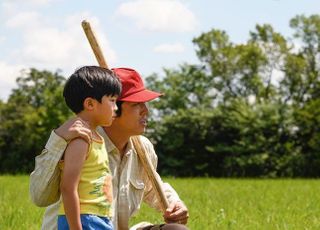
133 89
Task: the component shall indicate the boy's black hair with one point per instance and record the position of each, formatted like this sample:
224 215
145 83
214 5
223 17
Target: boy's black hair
90 81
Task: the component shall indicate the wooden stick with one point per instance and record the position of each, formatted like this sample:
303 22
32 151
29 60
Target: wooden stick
151 173
94 44
146 162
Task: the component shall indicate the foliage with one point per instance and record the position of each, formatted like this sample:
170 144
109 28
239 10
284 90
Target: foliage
27 118
251 109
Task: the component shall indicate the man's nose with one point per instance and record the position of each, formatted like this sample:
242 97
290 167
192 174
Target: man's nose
145 108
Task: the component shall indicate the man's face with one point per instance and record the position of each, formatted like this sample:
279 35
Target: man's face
133 118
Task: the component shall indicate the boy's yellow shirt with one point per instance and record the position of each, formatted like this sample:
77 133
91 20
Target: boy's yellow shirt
95 185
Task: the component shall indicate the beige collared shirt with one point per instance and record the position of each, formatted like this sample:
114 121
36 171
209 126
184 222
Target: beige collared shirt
131 185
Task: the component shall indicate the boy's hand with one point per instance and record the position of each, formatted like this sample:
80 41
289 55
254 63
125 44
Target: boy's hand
73 128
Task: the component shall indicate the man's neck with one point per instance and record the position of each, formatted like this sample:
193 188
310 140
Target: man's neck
118 138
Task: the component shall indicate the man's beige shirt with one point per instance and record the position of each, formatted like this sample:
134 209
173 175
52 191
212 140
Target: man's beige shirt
131 185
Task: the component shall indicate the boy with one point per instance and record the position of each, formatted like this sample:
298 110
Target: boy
86 182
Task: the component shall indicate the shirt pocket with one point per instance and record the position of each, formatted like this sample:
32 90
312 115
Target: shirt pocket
136 194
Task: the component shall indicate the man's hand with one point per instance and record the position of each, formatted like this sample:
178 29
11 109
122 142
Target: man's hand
177 212
73 128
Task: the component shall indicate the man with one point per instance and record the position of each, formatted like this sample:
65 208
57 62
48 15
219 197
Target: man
131 185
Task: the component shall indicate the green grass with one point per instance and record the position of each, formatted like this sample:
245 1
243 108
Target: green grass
16 209
213 204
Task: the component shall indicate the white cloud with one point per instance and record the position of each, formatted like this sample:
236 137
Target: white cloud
40 2
14 3
23 19
169 48
2 39
46 43
8 7
50 47
159 15
8 76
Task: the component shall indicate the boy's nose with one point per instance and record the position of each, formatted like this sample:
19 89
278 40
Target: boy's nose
115 107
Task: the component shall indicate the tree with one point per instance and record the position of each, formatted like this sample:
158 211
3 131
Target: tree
249 110
303 81
32 111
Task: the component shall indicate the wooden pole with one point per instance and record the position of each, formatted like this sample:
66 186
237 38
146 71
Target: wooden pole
151 173
94 44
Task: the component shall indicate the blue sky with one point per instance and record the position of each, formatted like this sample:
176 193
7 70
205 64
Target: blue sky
147 35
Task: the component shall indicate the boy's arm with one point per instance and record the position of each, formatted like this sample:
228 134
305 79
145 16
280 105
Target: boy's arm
74 158
45 179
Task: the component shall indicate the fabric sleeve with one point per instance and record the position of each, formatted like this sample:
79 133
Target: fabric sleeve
45 178
50 218
150 196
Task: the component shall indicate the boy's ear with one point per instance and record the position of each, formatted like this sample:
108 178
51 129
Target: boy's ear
89 104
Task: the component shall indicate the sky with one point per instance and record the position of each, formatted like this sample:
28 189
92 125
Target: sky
147 35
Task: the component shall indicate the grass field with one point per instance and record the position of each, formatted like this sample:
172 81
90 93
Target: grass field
213 204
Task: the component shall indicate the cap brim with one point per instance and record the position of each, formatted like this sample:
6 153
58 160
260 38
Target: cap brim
142 96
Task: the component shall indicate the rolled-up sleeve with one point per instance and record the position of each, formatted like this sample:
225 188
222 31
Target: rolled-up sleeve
45 179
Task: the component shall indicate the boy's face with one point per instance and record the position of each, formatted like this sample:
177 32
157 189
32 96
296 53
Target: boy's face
133 118
106 110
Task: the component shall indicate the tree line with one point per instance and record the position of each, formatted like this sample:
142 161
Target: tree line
247 110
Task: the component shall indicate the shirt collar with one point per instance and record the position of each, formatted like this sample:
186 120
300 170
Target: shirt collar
111 148
109 144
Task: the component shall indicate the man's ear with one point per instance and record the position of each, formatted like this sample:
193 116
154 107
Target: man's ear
89 104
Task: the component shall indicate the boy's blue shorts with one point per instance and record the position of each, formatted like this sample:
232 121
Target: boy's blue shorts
88 222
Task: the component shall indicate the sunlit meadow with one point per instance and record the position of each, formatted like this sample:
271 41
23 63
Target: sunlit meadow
213 204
